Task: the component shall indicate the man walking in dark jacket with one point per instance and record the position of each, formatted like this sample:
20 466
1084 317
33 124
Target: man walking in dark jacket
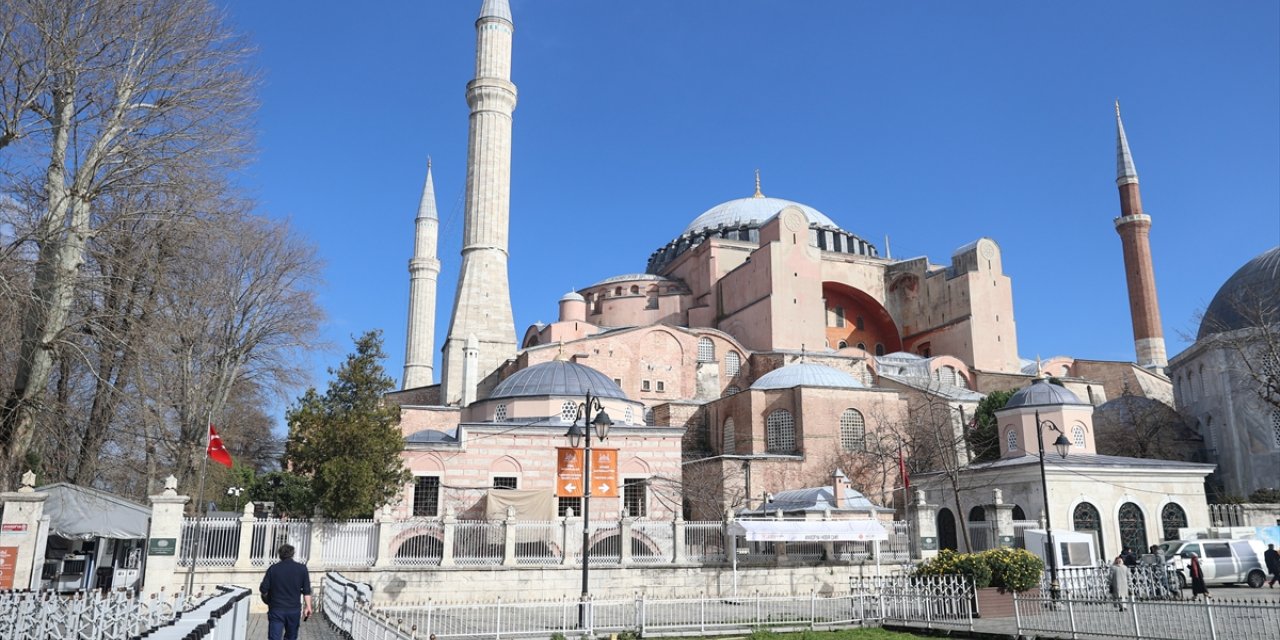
287 591
1272 558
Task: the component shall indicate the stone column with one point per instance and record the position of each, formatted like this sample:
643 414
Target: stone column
677 540
244 552
23 511
572 537
509 538
315 552
449 528
624 538
164 544
923 518
382 519
1001 515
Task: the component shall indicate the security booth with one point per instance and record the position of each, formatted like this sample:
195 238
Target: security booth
96 540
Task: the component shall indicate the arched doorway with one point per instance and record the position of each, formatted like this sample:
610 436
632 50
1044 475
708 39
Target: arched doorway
1133 527
980 532
946 530
1018 513
1086 519
1172 518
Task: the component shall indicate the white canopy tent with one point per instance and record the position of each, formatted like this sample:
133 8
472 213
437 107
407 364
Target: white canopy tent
806 531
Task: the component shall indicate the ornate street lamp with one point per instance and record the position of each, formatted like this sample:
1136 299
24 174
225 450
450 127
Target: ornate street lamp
236 492
1062 445
576 435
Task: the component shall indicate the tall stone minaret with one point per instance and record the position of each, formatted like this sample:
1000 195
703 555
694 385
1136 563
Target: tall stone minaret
482 307
424 272
1134 228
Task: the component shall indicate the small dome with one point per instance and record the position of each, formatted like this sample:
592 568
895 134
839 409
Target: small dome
572 296
558 378
1042 393
753 211
1252 292
807 375
631 277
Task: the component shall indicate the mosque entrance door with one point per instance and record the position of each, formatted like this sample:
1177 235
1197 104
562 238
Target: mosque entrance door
946 530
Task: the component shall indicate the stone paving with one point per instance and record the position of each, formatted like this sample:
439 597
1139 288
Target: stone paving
314 629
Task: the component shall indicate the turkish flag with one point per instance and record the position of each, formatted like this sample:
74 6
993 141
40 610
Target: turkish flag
216 450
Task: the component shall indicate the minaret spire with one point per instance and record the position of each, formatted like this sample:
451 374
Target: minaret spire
482 309
1134 227
424 273
758 194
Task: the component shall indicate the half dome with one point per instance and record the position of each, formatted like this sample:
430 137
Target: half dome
1042 393
1251 293
752 211
558 378
807 375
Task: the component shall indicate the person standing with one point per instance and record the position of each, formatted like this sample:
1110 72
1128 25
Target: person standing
1120 582
286 588
1272 557
1197 579
1130 558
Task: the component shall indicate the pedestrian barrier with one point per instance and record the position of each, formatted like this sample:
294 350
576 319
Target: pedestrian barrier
1072 617
120 615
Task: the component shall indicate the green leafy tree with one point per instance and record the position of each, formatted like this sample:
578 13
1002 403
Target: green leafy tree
984 438
289 492
348 439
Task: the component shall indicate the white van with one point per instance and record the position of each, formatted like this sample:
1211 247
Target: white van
1223 561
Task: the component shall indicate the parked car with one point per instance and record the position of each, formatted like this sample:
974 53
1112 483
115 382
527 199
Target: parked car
1223 561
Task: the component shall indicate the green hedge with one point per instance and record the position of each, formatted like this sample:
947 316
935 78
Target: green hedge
948 562
1008 569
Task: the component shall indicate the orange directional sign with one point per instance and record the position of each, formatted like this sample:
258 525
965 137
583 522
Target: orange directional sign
604 473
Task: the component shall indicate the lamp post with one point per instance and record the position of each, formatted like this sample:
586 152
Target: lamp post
576 434
1062 444
236 492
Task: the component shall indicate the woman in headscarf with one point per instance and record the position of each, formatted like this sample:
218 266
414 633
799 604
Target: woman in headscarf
1197 579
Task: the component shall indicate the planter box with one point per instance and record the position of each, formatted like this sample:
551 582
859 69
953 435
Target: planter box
996 603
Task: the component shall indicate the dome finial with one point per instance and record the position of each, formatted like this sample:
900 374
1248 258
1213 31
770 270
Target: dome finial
560 356
1039 368
758 193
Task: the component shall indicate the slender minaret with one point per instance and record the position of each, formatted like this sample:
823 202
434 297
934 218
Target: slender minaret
482 307
1134 228
424 272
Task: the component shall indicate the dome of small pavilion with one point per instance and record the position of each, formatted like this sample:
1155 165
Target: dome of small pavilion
558 378
1251 293
1042 393
807 375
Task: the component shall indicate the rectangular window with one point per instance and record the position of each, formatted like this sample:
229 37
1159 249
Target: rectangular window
644 385
617 381
635 496
426 496
662 386
1217 550
563 505
505 482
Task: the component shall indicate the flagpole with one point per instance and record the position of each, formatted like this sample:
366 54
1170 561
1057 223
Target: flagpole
201 509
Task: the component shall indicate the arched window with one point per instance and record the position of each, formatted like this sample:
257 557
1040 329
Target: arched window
1066 370
859 324
837 316
706 350
635 289
945 375
1086 518
1133 527
1077 435
1191 383
649 418
879 349
1275 425
569 411
842 344
628 416
617 291
729 439
946 530
780 432
1172 518
732 363
500 413
1201 379
1012 437
1018 513
862 345
853 431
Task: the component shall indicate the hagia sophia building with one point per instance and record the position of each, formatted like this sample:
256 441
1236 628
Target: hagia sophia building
760 350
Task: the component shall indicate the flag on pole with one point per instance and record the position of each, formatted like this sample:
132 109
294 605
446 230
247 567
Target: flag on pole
215 449
902 470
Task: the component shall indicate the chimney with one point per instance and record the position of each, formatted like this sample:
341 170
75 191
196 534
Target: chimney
839 482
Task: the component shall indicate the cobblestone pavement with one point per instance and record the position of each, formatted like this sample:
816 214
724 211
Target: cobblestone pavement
314 629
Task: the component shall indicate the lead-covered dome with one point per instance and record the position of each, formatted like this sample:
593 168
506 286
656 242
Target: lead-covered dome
1251 293
807 375
1042 393
558 378
753 212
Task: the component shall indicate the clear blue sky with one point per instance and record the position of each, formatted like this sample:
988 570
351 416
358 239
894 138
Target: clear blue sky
934 123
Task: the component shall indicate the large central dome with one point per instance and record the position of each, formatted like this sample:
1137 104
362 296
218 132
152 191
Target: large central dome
752 211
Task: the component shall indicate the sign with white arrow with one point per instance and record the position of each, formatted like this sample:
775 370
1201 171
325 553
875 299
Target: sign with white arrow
604 473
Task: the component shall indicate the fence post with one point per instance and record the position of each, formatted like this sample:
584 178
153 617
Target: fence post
382 520
1133 607
813 609
244 550
1071 614
509 538
1213 628
449 527
679 555
166 530
572 543
315 554
23 510
625 524
639 621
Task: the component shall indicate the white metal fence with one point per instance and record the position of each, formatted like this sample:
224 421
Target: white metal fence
704 542
270 534
217 539
120 615
1155 619
1146 582
353 543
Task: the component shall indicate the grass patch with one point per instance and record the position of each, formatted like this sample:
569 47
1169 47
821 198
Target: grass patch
861 633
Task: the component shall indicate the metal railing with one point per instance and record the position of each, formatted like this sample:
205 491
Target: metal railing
1155 619
224 616
704 542
539 543
416 543
94 615
270 534
340 598
219 540
353 543
478 542
1146 582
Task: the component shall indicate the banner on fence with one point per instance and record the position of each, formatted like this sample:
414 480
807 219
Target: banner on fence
8 566
604 473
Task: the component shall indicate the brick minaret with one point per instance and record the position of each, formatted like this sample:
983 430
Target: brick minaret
1134 228
482 307
424 272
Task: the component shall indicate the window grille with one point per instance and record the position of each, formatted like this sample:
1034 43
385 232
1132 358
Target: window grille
838 312
645 385
853 431
1133 527
506 482
426 496
706 350
1086 518
1077 435
729 440
879 349
649 417
563 505
1013 440
628 417
842 344
1275 425
569 411
500 414
780 432
1172 518
732 363
635 496
945 376
732 390
662 386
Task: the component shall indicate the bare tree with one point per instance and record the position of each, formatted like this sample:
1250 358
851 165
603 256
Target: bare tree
96 97
1138 427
